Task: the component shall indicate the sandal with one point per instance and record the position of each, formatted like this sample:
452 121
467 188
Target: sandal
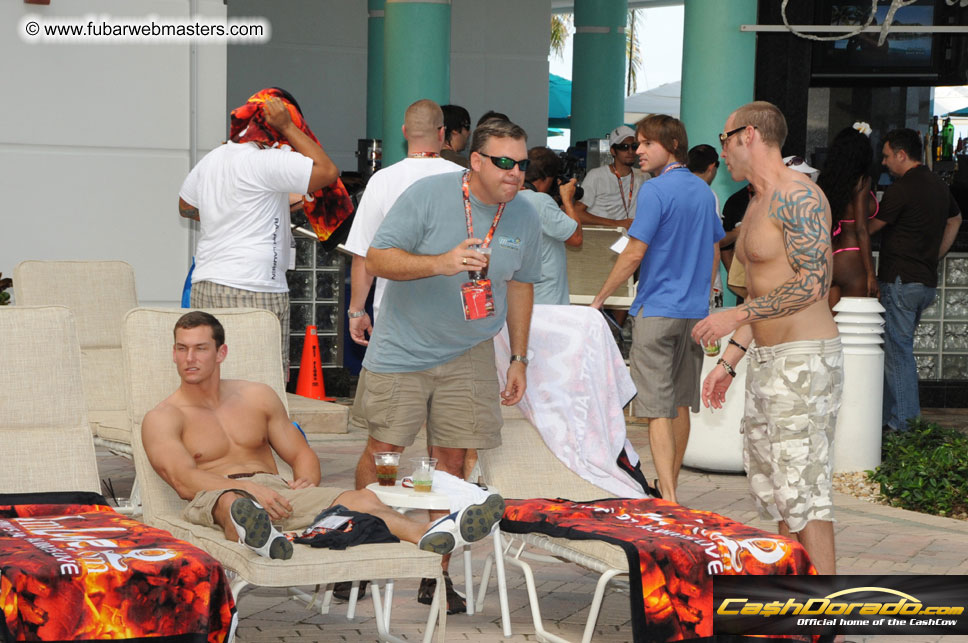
455 602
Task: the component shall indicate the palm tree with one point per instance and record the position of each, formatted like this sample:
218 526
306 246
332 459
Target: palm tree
559 32
632 53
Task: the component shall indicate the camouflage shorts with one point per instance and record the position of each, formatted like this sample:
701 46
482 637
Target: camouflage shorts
792 397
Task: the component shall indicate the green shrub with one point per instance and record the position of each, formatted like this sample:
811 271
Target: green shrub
925 469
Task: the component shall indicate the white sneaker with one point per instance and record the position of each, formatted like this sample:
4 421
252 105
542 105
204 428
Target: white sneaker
468 525
256 532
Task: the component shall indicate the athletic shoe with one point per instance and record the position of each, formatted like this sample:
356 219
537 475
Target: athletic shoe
256 532
468 525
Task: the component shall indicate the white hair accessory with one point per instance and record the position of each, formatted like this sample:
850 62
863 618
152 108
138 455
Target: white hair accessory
863 128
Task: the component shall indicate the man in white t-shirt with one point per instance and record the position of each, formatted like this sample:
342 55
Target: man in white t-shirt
612 190
239 192
423 127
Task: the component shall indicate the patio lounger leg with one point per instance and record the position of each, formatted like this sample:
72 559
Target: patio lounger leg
354 594
502 585
389 601
596 605
468 580
327 601
539 630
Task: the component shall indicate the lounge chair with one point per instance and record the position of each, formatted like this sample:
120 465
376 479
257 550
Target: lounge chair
99 293
150 377
47 445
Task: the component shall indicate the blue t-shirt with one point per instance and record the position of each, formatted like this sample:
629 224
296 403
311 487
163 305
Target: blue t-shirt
676 216
421 323
556 226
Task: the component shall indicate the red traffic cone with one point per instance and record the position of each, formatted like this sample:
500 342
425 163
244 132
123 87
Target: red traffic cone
310 382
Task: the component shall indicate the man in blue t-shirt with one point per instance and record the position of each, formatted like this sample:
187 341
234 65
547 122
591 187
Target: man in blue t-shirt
674 243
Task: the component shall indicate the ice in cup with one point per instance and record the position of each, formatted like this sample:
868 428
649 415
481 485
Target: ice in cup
387 463
711 349
423 473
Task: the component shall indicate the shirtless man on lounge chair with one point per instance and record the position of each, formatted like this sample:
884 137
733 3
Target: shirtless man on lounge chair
210 441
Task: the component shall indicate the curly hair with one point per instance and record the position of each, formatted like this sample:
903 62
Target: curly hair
848 159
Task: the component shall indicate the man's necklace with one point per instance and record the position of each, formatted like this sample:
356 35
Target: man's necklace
423 155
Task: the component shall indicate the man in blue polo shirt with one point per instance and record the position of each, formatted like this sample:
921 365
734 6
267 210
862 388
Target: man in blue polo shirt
674 243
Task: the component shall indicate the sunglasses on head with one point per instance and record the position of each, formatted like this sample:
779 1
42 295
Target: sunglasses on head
795 160
625 147
507 163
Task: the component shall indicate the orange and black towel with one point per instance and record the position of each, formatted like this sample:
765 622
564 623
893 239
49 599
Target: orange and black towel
326 209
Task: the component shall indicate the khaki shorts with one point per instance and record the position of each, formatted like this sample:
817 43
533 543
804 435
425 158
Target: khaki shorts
793 394
666 364
306 503
459 401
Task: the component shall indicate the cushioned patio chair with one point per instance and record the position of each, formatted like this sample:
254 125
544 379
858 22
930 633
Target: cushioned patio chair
47 445
99 293
590 264
150 377
524 467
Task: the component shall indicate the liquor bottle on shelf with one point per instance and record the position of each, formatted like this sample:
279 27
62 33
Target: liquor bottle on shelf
948 140
935 140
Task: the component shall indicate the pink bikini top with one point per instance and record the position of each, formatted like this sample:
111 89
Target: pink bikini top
877 208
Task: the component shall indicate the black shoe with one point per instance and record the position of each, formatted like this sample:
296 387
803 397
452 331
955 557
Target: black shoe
455 602
341 590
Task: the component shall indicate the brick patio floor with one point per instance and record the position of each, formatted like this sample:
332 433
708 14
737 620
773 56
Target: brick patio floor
870 539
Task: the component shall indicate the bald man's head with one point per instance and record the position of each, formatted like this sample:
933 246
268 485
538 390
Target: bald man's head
423 120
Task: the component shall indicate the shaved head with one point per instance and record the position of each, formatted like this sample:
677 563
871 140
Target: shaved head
766 118
423 119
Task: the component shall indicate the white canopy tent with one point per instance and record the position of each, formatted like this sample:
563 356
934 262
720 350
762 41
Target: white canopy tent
663 99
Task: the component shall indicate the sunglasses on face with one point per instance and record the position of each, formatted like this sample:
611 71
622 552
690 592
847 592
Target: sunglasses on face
507 163
625 147
723 137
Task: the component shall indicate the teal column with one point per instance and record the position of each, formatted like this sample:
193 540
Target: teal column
598 68
416 64
718 65
374 68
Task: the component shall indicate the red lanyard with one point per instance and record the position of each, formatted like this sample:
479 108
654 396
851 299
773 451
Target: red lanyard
423 155
672 166
620 192
466 188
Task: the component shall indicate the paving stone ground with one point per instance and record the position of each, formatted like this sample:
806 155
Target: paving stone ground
870 539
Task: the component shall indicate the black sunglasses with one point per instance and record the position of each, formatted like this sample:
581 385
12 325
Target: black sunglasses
507 163
725 135
795 160
625 147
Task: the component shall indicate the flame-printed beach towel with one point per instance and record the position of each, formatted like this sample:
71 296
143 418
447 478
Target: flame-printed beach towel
673 554
86 573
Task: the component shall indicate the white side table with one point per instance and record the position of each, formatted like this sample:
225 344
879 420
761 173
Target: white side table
402 498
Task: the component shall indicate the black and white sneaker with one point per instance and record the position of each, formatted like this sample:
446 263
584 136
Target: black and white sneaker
256 532
468 525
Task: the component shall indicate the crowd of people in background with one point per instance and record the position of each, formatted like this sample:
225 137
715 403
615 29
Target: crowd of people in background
462 245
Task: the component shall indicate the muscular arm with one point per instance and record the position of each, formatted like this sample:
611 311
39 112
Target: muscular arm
950 232
803 216
625 265
520 305
287 441
187 210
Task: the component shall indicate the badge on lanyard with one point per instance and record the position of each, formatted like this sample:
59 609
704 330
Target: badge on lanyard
476 294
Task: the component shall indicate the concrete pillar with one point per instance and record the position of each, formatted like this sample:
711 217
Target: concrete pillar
718 67
416 64
374 68
598 68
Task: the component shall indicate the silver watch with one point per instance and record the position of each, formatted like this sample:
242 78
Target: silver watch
520 358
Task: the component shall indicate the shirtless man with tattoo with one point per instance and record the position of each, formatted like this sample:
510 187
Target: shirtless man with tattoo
795 375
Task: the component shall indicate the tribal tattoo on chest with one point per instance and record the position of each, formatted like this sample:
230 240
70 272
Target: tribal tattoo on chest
803 215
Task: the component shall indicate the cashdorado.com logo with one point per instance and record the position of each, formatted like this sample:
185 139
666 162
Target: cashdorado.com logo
840 605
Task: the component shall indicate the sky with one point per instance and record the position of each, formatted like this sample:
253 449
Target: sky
659 33
660 43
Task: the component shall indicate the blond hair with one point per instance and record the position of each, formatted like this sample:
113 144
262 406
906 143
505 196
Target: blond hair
766 118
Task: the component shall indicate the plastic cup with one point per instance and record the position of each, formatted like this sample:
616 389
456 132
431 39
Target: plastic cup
387 464
482 273
711 349
423 473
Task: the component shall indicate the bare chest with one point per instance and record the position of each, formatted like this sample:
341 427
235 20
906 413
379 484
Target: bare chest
760 238
228 432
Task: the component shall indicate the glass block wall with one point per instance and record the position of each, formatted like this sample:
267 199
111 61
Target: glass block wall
316 298
941 340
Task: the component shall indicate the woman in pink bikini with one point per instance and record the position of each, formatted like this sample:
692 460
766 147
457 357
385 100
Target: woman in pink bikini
846 181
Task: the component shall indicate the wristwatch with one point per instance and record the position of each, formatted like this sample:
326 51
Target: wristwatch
355 315
520 358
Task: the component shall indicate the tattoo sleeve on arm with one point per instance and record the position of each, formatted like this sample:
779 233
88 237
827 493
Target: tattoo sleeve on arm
803 215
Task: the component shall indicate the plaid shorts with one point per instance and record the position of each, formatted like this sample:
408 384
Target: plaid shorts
208 294
793 394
